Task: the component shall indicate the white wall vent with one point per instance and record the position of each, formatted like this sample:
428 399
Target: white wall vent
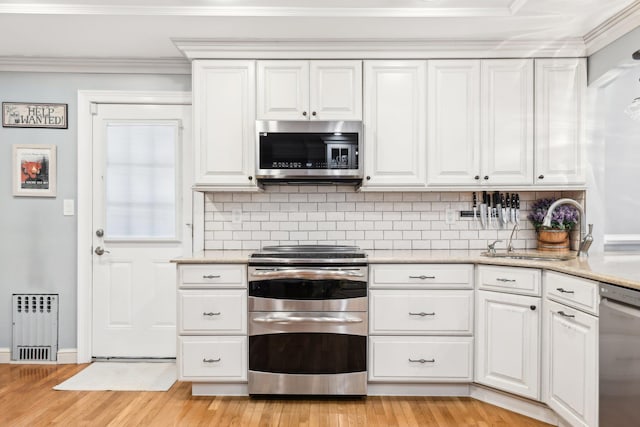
35 327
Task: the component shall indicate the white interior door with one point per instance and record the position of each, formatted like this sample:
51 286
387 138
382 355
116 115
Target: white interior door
141 220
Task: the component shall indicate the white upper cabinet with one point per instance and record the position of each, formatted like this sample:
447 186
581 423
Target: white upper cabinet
560 88
506 121
309 90
224 124
453 151
394 124
480 122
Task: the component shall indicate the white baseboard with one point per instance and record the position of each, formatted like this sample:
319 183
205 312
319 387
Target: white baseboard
214 389
65 356
529 408
5 355
410 389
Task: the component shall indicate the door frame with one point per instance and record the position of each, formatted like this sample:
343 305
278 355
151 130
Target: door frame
86 102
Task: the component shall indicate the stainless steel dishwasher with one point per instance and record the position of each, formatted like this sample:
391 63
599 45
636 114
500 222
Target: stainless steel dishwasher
619 356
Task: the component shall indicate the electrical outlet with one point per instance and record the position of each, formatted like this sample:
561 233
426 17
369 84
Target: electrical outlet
236 216
449 216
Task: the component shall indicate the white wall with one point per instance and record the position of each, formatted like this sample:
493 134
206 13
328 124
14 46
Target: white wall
38 243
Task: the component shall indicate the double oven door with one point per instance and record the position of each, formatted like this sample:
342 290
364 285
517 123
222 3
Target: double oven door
308 330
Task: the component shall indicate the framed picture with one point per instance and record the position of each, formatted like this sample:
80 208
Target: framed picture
34 115
34 170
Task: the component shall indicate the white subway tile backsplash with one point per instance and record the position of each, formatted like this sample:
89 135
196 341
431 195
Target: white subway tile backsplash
328 214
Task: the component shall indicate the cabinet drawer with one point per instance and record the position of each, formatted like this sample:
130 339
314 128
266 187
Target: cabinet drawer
419 359
525 281
212 359
413 311
576 292
447 276
216 275
221 311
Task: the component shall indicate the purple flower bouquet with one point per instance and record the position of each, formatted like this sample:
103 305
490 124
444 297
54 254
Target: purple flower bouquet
564 217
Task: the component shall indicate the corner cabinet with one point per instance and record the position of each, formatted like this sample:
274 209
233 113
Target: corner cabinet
560 90
395 102
480 122
224 125
309 90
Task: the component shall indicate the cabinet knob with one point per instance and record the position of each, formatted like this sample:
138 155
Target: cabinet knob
477 177
304 113
368 178
486 177
541 177
532 307
313 113
250 178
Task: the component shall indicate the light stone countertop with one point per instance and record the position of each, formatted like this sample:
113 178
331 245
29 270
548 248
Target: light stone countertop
618 268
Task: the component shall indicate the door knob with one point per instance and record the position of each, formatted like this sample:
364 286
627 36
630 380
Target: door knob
101 251
99 232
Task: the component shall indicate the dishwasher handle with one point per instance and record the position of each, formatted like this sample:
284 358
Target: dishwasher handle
623 308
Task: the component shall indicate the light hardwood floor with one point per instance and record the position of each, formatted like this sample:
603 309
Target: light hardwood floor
27 399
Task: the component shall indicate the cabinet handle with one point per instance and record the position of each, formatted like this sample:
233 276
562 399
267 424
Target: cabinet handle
368 178
422 360
562 313
500 279
304 113
250 178
423 277
564 291
541 177
211 313
421 314
486 177
313 113
211 360
211 276
532 307
477 177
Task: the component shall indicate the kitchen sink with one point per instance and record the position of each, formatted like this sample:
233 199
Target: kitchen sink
530 256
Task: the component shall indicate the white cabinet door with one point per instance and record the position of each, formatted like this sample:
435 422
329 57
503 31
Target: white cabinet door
560 87
507 121
224 123
336 90
508 343
453 122
283 90
571 339
309 90
394 123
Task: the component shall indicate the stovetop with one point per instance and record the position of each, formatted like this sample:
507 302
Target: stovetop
308 254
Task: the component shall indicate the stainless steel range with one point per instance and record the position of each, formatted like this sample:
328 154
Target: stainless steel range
308 320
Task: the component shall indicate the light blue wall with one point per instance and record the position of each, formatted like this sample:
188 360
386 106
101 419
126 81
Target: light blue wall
614 56
38 243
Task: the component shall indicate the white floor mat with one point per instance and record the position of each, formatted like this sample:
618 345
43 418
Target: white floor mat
122 376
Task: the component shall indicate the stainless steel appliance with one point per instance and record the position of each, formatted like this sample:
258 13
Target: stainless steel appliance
619 356
308 150
308 320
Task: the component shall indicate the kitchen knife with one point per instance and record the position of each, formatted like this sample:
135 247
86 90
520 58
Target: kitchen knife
513 208
508 202
483 210
494 209
475 208
504 210
498 204
490 210
518 209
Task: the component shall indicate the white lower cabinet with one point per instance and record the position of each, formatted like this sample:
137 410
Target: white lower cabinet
572 369
212 323
421 359
508 342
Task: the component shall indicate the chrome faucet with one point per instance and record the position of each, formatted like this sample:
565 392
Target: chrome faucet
510 244
586 238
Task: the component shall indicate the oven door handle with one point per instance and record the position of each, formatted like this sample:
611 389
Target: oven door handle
299 273
309 319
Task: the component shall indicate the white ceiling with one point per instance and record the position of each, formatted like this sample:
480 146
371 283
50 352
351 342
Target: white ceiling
145 29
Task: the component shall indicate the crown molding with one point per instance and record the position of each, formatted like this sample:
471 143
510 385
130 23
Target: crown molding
251 11
95 65
376 49
613 28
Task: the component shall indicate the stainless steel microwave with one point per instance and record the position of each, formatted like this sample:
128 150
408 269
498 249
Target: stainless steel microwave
309 150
